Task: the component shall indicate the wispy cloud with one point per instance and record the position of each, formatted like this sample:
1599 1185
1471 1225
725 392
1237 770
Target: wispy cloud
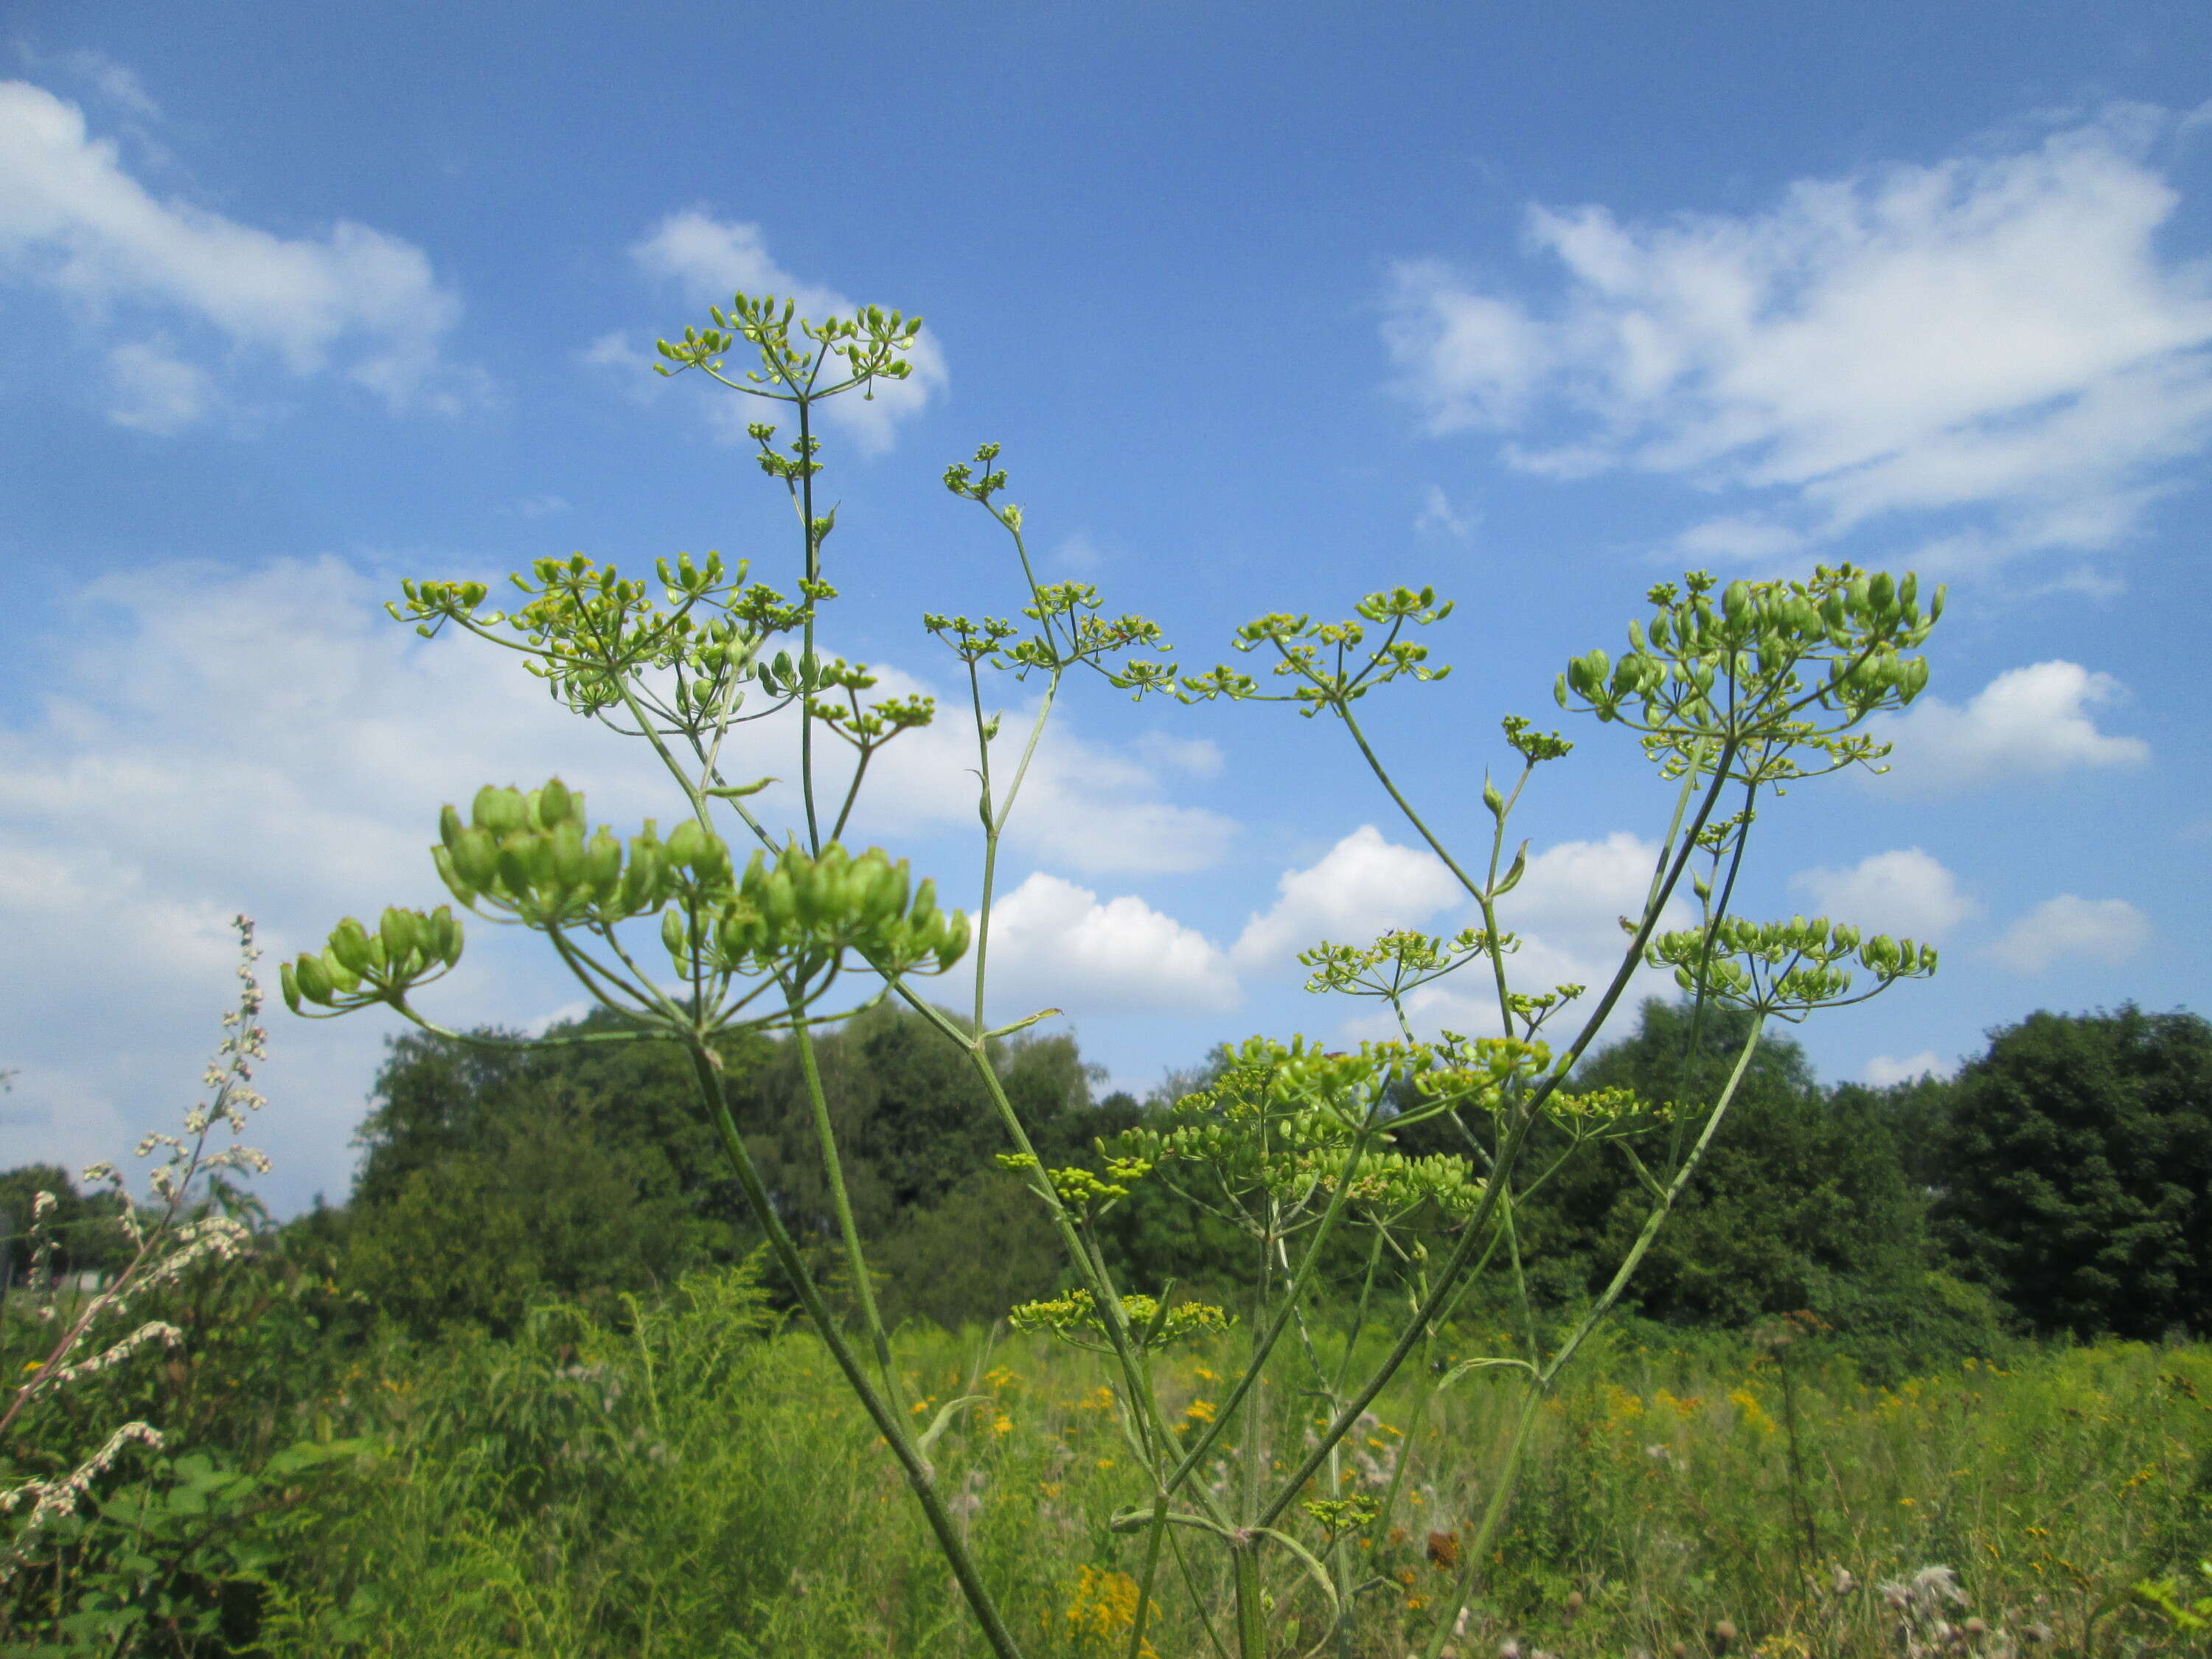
355 301
1998 334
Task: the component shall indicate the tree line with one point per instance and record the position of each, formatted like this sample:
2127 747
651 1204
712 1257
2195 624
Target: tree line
2061 1184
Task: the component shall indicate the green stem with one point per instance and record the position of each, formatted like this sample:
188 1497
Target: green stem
920 1477
1153 1536
833 1167
813 574
1540 1387
1251 1601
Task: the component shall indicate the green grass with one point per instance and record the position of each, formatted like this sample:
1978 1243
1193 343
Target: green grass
695 1488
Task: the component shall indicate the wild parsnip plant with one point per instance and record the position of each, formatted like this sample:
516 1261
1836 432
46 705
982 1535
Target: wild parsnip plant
91 1333
1736 694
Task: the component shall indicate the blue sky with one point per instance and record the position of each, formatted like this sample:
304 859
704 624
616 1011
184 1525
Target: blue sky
1270 306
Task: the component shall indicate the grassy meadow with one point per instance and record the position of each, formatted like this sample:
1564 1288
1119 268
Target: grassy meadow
689 1481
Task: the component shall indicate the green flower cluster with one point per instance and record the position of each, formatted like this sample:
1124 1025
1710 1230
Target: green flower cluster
1151 1323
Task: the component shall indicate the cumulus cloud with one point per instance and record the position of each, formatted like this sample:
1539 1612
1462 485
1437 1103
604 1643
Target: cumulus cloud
1088 806
269 742
2027 722
1882 1072
1055 944
2105 931
1906 894
1998 334
1565 915
709 259
75 222
1362 886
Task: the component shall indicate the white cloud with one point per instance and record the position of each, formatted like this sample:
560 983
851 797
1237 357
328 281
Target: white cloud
155 391
2027 722
1564 913
709 259
1362 887
1085 806
1055 944
2106 930
270 742
267 743
1998 333
72 220
1436 515
1906 894
1881 1071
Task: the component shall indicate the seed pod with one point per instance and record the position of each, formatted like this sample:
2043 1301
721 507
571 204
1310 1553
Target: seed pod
672 935
476 858
955 944
349 945
564 853
603 865
402 935
502 811
446 935
288 981
552 804
461 890
923 908
779 904
315 979
342 977
685 843
449 825
516 865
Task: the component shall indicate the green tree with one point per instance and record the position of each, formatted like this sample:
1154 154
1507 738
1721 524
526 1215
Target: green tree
1804 1202
2078 1171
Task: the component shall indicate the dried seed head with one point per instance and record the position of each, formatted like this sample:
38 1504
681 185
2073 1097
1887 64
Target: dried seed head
1574 1605
1723 1636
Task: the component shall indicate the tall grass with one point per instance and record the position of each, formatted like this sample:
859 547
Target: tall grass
696 1486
